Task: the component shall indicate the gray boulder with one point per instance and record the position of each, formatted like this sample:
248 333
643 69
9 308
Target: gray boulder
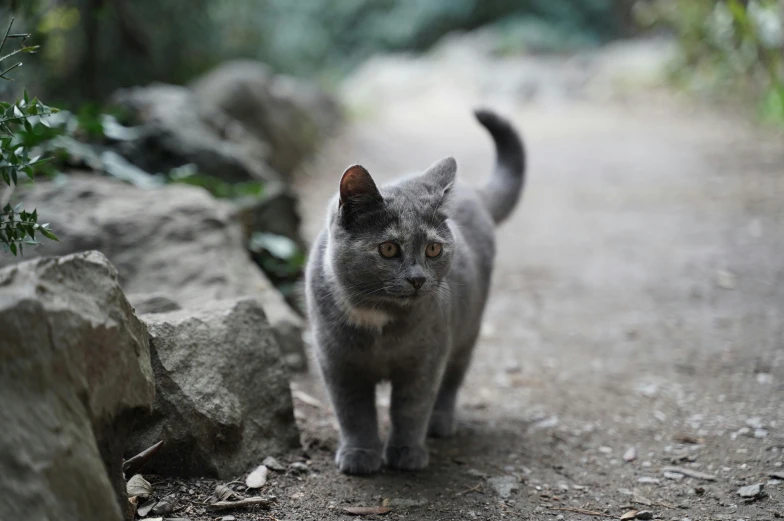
74 372
291 115
152 303
176 128
177 240
223 398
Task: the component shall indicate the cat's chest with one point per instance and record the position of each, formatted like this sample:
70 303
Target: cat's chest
401 344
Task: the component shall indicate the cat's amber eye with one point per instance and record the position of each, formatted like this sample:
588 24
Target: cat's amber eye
389 249
433 250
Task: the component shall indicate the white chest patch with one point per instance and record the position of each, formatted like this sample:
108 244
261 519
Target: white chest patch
367 318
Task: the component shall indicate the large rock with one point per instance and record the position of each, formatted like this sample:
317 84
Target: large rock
222 402
176 128
291 115
74 371
176 239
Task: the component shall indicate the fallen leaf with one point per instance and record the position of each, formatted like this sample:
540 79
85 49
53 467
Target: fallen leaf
222 492
145 507
134 502
631 514
257 478
138 486
366 511
642 500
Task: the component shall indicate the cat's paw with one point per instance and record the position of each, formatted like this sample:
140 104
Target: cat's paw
406 457
352 460
442 424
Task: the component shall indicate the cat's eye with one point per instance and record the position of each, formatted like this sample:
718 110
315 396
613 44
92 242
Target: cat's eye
433 250
389 249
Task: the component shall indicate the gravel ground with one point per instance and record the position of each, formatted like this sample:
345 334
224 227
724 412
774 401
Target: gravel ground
632 356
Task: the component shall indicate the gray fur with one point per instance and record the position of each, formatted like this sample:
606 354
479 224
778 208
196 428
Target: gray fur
370 322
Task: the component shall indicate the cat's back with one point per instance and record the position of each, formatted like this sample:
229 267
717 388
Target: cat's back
474 221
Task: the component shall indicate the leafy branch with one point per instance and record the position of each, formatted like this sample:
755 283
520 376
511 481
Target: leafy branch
17 226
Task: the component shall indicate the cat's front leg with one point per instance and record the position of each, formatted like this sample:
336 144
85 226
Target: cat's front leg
413 395
354 401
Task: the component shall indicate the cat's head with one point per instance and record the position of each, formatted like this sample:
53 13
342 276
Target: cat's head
392 246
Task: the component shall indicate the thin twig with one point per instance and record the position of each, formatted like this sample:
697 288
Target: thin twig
247 502
12 67
133 465
7 32
475 488
581 511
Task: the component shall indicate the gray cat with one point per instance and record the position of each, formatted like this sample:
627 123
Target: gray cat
396 286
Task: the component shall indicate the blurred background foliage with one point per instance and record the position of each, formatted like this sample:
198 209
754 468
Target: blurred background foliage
92 47
729 50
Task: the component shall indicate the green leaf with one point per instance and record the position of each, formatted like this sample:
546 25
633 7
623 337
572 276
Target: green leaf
48 234
12 246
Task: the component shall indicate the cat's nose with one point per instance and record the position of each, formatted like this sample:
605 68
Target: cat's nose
416 282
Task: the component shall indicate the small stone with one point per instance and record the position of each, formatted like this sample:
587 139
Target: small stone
648 480
673 475
273 464
644 515
630 455
760 433
257 478
299 467
755 422
559 517
751 491
726 279
228 518
605 450
764 378
504 485
163 507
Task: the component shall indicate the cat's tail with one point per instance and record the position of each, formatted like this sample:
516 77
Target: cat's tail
504 187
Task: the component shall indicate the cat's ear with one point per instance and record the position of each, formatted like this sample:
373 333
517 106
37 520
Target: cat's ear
357 187
440 177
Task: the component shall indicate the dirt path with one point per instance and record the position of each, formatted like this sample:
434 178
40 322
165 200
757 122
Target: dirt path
638 301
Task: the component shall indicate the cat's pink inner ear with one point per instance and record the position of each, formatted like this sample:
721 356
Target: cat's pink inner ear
357 183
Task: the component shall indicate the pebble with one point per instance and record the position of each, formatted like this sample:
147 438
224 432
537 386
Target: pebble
650 480
630 455
760 433
273 464
163 507
605 449
673 475
299 467
229 518
751 491
644 515
755 422
504 485
559 517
